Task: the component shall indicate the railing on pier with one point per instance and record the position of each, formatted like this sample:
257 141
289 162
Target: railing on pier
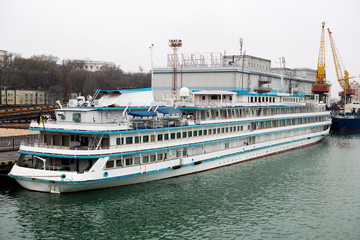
14 142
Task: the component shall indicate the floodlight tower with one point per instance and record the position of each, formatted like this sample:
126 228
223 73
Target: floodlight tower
175 45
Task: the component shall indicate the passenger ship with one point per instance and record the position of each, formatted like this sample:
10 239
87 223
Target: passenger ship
133 136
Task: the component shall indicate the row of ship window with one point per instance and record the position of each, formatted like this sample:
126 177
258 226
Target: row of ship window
128 160
195 133
177 135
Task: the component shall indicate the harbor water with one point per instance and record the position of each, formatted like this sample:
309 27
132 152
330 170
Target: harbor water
309 193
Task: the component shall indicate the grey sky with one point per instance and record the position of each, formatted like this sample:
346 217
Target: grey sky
122 31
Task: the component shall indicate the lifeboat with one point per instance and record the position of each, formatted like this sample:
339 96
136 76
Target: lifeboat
169 114
141 116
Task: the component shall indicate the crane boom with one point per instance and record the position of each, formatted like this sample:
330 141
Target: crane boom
320 87
343 80
321 76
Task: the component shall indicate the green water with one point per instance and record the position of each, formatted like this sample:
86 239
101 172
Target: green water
310 193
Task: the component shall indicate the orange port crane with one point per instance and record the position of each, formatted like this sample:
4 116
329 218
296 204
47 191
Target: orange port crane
343 80
320 86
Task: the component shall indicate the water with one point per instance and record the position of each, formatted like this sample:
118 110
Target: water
310 193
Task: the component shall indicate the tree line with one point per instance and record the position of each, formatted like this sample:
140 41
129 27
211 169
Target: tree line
45 73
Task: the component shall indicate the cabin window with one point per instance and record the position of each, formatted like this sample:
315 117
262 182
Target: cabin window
190 133
178 153
214 97
184 153
146 138
76 117
65 140
203 97
65 161
128 161
145 159
136 160
62 116
119 163
160 156
200 132
129 140
153 158
172 135
222 130
195 133
227 145
234 129
84 141
178 135
166 136
160 137
205 132
152 137
75 138
118 141
137 139
209 131
110 164
184 134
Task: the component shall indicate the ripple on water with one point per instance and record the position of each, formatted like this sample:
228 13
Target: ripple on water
308 193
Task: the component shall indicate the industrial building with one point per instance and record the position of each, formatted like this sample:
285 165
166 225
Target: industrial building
242 74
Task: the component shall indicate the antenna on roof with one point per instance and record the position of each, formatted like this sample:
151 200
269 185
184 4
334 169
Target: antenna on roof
241 46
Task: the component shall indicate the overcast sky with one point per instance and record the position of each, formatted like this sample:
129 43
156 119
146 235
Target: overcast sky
122 31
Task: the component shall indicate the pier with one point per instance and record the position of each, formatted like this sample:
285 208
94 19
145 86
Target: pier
7 160
25 113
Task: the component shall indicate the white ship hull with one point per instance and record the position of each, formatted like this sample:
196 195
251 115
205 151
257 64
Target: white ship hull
40 180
